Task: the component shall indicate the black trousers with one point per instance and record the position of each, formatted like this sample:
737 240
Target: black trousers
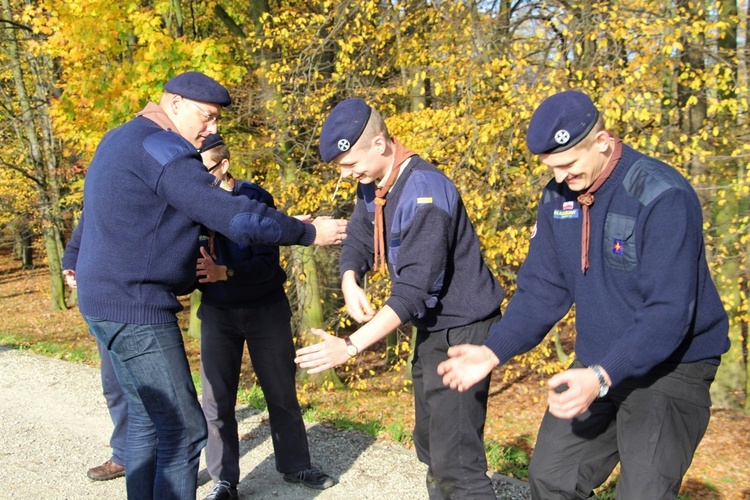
267 332
449 425
651 425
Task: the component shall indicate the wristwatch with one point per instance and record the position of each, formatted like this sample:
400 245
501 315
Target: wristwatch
351 349
230 273
603 385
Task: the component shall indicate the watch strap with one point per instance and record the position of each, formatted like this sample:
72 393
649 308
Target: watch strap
603 385
351 349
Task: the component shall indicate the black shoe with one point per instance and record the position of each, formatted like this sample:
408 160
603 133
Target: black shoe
312 478
222 491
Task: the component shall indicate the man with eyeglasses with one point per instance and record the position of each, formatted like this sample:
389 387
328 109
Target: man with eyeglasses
146 196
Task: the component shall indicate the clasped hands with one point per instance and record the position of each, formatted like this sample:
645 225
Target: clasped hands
328 231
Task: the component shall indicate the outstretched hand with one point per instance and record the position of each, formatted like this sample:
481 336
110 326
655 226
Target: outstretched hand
468 364
323 355
329 231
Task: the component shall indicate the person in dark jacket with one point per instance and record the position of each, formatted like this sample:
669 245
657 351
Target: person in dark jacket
410 215
243 302
146 197
620 235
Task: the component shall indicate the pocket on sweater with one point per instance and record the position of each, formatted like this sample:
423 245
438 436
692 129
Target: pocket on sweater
619 242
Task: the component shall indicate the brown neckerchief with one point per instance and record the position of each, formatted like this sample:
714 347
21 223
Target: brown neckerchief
586 199
157 115
400 155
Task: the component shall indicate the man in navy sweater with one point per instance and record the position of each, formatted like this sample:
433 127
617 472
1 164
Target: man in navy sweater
146 196
244 302
433 257
117 404
650 326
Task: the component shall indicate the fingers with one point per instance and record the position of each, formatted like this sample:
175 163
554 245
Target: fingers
205 254
329 231
357 314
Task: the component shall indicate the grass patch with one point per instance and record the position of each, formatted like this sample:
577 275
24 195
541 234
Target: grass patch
317 414
507 460
66 349
252 396
397 432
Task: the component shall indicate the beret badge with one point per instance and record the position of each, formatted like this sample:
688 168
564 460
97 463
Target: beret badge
562 136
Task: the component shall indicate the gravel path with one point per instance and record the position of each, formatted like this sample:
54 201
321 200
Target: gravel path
54 425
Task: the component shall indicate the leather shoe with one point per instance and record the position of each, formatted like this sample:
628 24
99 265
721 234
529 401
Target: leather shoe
106 471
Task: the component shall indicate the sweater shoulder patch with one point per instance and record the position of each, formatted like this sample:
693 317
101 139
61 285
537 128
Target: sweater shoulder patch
430 188
648 178
166 145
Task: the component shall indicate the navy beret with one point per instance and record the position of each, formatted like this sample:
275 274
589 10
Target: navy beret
198 87
560 122
210 142
343 127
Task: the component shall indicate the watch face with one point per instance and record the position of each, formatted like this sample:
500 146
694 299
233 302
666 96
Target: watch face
351 350
230 273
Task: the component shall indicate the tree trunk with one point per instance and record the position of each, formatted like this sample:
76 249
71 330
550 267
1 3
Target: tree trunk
307 283
194 327
42 158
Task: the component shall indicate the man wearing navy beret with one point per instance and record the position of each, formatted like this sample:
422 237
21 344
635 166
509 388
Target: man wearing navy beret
618 234
410 216
146 196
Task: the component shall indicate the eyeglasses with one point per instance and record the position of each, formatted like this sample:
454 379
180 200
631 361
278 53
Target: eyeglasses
207 117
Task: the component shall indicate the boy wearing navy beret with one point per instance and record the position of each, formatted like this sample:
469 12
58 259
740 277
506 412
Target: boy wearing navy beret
410 217
618 234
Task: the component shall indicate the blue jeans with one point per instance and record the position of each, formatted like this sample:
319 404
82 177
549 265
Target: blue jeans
166 428
117 405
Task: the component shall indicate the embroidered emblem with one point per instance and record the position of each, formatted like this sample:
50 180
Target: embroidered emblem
617 247
344 145
565 214
562 136
568 205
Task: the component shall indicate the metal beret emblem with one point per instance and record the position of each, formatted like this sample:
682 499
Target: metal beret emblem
344 145
562 136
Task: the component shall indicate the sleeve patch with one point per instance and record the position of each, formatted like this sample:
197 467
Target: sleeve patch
164 146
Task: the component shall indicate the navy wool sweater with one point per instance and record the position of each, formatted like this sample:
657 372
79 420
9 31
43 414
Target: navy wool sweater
258 278
146 195
647 297
439 278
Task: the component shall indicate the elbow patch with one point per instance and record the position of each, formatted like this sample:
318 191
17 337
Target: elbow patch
252 229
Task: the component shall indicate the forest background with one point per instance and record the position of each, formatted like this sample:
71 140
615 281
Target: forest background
457 82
